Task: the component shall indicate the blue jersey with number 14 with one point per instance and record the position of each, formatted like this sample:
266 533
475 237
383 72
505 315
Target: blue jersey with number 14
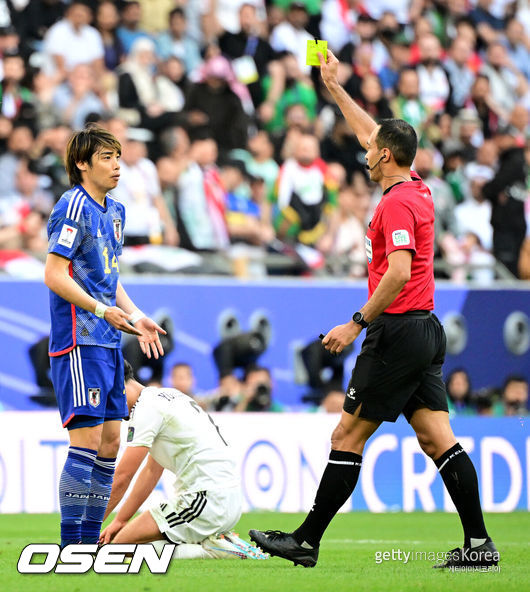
91 237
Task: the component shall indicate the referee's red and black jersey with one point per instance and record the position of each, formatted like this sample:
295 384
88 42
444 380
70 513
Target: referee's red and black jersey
404 219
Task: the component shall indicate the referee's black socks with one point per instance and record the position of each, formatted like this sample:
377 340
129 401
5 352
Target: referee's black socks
336 486
460 478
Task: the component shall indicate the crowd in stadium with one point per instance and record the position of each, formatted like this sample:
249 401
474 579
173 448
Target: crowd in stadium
234 151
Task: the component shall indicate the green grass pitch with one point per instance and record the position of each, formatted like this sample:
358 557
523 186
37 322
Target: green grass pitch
346 563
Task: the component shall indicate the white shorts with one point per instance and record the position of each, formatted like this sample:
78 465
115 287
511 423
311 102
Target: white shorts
193 517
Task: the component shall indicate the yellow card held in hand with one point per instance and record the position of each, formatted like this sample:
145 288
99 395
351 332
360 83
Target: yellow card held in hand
313 47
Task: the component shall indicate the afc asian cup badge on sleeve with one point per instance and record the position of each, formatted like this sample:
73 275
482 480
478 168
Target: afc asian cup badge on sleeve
116 222
94 396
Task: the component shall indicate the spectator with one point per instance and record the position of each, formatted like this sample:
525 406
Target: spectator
246 218
147 99
256 394
520 121
200 208
73 41
409 106
259 159
50 146
506 192
19 145
399 58
371 98
305 198
223 15
296 90
517 44
176 42
291 35
506 82
474 214
216 100
129 31
434 86
76 98
333 402
139 190
460 75
349 239
107 20
15 99
250 54
442 196
342 146
487 109
459 393
37 18
515 395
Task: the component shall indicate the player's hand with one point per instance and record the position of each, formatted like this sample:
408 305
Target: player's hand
118 318
328 69
149 339
111 531
341 336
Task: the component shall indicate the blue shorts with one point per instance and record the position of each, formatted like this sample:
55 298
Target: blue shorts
88 381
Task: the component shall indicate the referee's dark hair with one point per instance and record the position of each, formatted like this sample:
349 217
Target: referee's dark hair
400 138
128 372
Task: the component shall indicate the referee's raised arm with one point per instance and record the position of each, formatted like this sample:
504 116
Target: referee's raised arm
360 122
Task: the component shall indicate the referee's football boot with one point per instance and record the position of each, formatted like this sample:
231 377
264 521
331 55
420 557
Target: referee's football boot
283 544
485 555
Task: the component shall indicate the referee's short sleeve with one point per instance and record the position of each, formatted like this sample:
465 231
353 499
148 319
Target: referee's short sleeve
64 233
398 224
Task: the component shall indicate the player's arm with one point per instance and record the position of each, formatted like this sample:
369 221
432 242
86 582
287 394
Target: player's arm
125 471
144 485
149 338
58 280
360 122
391 284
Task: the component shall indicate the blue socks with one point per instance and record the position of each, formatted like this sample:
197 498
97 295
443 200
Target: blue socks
74 490
102 475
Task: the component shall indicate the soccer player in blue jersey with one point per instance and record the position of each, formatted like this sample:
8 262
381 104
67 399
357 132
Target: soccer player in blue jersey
89 309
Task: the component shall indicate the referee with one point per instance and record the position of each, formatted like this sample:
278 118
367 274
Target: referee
399 368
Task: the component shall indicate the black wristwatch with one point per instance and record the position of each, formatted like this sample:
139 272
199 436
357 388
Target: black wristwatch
358 318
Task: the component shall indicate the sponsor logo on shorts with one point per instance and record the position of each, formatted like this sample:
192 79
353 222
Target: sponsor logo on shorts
67 236
400 238
351 393
94 396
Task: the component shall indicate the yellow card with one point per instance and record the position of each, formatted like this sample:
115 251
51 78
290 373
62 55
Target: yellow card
313 47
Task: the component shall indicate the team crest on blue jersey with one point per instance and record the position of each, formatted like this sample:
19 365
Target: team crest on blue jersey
116 222
94 396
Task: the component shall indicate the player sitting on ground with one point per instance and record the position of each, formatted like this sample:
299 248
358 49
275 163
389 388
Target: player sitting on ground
182 438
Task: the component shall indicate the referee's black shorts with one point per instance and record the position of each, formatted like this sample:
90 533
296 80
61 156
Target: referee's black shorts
399 368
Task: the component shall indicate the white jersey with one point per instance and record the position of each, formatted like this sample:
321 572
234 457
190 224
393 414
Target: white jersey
183 439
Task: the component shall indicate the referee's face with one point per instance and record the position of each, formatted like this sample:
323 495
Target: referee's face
373 157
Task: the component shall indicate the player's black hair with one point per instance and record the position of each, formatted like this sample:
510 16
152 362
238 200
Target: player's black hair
82 147
128 372
400 138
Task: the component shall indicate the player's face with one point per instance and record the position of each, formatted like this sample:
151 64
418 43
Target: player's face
104 171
